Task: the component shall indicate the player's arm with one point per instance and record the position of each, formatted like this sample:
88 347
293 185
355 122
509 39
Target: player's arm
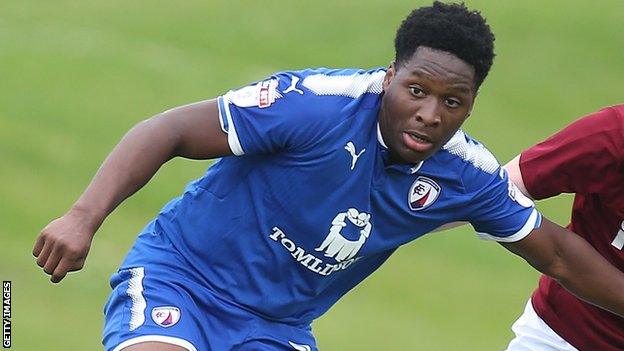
191 131
575 264
567 163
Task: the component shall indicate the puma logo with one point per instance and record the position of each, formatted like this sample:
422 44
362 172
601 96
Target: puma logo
299 347
293 86
350 147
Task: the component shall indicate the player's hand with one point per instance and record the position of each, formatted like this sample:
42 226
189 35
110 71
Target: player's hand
63 245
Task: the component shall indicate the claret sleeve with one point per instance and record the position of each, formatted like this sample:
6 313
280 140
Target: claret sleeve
575 159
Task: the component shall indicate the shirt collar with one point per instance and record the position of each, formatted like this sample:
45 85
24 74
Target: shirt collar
380 138
414 168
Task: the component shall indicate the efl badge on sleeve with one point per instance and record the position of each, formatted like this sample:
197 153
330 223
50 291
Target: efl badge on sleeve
268 93
261 94
423 193
166 316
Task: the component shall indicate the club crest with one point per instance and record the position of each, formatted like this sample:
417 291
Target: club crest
423 193
166 316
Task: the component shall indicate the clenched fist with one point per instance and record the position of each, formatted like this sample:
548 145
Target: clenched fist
63 245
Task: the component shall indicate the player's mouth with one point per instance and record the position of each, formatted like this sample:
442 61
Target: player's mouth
417 142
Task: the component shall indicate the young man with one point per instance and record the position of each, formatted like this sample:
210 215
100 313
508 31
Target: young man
585 158
324 173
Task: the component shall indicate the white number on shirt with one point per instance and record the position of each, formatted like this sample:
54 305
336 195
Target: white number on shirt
619 238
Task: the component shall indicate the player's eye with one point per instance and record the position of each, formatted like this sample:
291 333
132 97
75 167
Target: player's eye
452 102
417 91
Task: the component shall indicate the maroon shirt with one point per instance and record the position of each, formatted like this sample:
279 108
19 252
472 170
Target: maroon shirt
585 158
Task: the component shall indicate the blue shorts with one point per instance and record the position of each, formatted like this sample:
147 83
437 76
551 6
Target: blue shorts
157 299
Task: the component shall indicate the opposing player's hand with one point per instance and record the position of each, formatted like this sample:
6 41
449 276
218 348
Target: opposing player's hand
63 245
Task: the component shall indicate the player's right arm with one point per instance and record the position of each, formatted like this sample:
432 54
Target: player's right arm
191 131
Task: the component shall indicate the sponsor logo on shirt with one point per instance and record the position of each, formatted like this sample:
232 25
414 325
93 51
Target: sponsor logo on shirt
423 193
166 316
340 247
347 235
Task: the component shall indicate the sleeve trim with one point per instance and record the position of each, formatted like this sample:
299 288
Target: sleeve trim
227 125
222 118
534 221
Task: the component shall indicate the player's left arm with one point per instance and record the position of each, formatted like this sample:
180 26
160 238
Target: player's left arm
575 264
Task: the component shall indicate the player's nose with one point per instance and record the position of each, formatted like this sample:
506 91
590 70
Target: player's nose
429 111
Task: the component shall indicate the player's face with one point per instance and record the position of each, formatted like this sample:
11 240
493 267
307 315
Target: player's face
425 102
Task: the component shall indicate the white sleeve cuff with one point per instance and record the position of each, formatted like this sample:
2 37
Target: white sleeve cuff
227 125
534 220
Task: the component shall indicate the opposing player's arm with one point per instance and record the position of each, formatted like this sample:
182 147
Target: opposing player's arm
566 163
191 131
576 265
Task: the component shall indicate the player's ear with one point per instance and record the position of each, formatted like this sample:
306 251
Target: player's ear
389 75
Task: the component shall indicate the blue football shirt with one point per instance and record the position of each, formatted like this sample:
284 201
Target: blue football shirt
310 206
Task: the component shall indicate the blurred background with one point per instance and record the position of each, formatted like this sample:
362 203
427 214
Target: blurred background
76 75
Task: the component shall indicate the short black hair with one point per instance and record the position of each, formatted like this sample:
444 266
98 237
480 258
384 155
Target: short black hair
452 28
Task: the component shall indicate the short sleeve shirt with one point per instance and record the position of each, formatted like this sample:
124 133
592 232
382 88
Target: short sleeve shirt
310 205
585 158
